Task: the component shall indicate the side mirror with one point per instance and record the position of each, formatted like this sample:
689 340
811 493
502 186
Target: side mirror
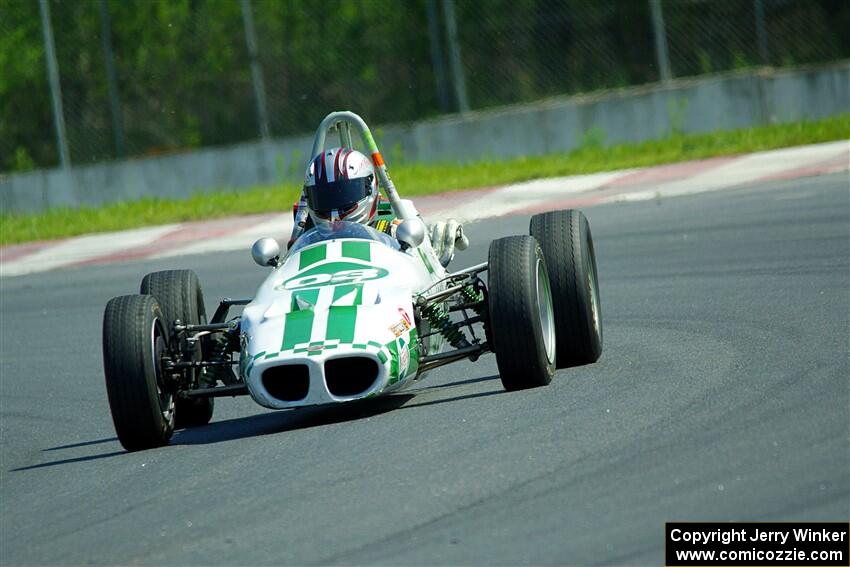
411 233
266 252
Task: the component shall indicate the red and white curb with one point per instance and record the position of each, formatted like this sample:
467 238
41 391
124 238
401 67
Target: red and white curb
520 198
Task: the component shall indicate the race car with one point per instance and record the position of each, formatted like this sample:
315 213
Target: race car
350 313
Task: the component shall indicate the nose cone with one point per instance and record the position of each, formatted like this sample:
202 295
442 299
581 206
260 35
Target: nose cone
343 353
328 371
340 309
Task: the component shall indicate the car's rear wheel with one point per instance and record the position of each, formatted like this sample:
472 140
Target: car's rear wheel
521 315
180 296
134 344
567 245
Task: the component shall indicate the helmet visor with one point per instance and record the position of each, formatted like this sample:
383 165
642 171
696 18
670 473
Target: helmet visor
340 195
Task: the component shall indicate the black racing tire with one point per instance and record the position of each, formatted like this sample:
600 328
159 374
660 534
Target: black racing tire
567 246
134 340
521 314
180 296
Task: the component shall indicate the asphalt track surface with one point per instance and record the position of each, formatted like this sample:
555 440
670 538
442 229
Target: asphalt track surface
722 394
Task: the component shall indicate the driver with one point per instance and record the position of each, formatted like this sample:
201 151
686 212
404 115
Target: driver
340 184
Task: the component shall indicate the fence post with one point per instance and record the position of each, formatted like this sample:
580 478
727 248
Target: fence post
454 56
114 101
256 71
55 88
662 56
761 32
437 56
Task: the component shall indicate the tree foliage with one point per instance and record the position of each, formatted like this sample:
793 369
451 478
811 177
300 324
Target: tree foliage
184 79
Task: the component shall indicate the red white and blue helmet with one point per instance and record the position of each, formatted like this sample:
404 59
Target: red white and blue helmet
341 185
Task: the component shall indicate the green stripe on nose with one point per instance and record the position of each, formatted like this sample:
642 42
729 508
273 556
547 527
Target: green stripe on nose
297 328
308 299
358 250
393 348
348 294
312 255
341 323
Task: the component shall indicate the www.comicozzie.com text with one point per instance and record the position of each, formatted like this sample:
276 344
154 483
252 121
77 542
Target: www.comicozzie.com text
744 534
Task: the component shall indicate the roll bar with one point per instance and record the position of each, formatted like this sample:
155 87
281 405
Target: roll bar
342 121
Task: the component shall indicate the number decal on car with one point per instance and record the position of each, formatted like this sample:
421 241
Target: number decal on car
333 273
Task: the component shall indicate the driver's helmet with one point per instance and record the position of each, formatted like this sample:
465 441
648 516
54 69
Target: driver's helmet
340 185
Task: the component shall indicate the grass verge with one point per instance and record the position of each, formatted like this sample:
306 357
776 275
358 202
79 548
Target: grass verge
418 179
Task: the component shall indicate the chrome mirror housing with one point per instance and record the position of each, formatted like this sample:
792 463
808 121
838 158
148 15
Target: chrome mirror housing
411 233
266 252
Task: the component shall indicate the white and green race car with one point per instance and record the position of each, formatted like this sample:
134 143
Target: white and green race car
351 313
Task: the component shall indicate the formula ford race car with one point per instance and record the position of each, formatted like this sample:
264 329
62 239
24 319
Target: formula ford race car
351 313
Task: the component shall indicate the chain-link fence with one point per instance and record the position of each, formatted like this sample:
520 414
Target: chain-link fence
145 77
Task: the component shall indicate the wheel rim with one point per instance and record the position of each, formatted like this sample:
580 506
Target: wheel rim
166 400
546 310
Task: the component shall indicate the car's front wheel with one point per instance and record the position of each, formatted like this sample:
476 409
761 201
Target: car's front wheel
135 342
521 315
180 296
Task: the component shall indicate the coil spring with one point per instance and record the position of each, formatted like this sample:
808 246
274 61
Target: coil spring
475 296
222 346
439 319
